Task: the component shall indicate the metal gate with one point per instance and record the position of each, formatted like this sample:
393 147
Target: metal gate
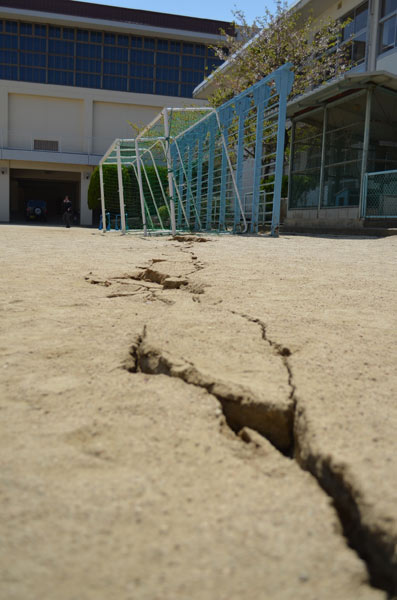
380 195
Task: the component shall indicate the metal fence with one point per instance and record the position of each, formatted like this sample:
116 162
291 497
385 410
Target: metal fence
380 195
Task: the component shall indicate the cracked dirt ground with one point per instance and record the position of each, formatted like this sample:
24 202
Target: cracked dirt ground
197 421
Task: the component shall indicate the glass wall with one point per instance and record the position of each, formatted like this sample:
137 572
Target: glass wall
356 32
306 160
328 176
103 60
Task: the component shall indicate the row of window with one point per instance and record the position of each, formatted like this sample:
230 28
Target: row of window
388 25
103 37
108 82
76 57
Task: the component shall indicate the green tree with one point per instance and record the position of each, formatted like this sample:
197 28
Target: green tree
312 47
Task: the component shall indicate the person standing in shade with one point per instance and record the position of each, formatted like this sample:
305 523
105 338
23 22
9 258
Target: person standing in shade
67 211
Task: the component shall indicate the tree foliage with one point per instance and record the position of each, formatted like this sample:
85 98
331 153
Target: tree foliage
312 47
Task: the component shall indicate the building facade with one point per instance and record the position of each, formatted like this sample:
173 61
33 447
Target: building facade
73 77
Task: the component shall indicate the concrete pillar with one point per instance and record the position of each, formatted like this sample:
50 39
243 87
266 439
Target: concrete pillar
372 34
85 212
4 191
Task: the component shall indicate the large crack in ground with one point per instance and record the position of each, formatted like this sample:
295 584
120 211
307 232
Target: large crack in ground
283 428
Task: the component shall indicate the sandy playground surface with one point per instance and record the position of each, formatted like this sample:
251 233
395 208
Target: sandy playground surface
197 420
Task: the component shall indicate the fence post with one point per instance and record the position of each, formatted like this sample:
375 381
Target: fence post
141 195
121 188
103 210
367 125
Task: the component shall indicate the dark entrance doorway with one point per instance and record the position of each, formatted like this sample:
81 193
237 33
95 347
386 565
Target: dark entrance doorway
51 189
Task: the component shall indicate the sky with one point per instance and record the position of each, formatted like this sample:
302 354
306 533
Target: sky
206 9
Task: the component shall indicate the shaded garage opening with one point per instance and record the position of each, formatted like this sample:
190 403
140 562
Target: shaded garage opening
48 186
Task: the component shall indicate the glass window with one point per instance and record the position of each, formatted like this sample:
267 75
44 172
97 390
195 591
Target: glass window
167 74
82 35
36 75
141 86
61 62
54 32
167 89
388 6
11 27
188 48
388 34
84 64
193 62
191 77
187 90
88 80
8 72
139 56
200 49
26 29
136 42
115 83
60 77
123 40
32 59
37 44
162 45
68 33
110 38
88 50
175 46
167 60
115 53
61 47
115 68
40 30
96 36
9 57
8 41
142 71
148 43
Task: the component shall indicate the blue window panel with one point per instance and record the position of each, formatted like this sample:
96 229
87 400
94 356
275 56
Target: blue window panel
7 72
213 63
8 41
60 77
162 45
167 74
88 50
9 57
115 53
192 77
193 62
35 44
123 40
68 33
40 30
141 86
110 38
26 28
142 57
388 34
88 80
115 68
92 66
166 89
61 62
167 60
11 26
142 71
388 7
148 43
54 32
114 83
61 47
188 48
96 36
136 42
175 46
82 35
31 59
200 49
29 74
187 90
211 52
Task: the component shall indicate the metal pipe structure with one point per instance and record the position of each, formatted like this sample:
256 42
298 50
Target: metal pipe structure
169 168
121 190
102 188
141 195
367 126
